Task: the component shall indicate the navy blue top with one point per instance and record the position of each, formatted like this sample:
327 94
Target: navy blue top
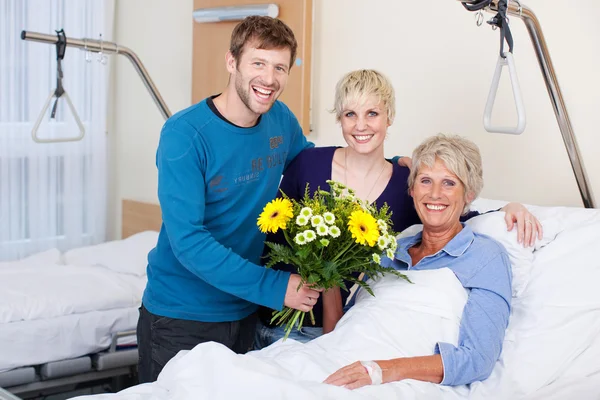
313 166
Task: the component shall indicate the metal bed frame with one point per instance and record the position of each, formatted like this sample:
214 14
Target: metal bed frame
111 365
100 46
556 98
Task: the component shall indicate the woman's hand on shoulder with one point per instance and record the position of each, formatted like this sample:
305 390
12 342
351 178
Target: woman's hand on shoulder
528 226
405 162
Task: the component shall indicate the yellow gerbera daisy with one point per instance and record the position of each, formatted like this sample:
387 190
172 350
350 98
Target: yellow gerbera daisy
363 227
275 215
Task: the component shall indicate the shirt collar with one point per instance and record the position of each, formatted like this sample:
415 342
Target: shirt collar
455 247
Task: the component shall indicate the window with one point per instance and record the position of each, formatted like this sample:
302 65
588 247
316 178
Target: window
51 195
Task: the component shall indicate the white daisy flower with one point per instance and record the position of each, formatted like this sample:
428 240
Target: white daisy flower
324 242
334 231
383 227
322 230
382 242
301 220
310 235
329 218
376 258
390 254
300 238
306 212
393 245
316 220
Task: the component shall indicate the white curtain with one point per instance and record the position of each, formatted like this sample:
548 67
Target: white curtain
52 195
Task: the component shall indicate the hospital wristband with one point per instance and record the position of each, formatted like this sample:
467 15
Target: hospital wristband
374 371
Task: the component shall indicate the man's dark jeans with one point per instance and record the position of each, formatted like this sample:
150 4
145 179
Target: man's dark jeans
161 338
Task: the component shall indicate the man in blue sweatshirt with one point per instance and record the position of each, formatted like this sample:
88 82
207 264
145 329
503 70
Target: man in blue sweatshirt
219 162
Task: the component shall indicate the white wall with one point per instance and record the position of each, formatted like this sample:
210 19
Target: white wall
160 33
440 63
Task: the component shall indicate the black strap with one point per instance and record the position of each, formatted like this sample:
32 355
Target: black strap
478 5
61 46
501 21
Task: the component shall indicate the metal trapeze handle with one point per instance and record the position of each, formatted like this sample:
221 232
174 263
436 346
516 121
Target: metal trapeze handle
59 93
509 61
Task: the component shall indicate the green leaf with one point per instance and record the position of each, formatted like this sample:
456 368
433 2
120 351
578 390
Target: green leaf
329 268
312 278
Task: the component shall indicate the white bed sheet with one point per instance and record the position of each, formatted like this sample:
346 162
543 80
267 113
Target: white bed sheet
43 292
551 349
44 340
55 312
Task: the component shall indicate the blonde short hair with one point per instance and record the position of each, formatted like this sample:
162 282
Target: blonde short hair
461 157
356 86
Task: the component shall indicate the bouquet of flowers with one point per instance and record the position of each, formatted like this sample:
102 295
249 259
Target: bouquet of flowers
331 238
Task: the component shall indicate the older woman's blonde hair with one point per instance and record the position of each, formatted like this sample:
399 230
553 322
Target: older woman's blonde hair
461 157
357 86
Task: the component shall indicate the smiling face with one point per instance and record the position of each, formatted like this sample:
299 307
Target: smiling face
364 126
439 197
260 75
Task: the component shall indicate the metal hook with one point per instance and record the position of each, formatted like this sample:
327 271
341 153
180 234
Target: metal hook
88 53
101 56
479 18
520 9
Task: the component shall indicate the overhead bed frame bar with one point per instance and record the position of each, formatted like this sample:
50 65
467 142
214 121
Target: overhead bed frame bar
556 98
100 46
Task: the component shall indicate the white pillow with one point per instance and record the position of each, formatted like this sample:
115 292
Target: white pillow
521 258
127 256
48 257
493 225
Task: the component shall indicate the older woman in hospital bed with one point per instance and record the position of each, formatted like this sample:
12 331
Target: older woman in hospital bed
446 177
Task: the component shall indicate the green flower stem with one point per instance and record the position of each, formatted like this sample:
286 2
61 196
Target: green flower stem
282 315
287 238
312 317
291 324
350 256
343 251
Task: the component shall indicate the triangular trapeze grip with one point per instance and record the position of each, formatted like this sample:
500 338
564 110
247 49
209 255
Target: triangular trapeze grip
489 106
34 131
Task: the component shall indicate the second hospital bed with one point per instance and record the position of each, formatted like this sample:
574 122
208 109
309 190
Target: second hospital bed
70 318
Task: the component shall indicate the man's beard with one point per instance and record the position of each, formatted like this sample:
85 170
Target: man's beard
244 95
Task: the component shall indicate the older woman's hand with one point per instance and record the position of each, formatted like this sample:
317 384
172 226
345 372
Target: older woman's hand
527 224
351 376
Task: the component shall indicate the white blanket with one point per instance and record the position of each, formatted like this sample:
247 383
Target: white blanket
402 320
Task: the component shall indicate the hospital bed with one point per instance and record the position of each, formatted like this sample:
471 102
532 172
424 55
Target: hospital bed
551 347
69 319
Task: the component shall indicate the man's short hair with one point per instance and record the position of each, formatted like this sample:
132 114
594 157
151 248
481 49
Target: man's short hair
357 86
264 33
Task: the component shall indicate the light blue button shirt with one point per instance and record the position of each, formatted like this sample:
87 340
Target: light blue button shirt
482 265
